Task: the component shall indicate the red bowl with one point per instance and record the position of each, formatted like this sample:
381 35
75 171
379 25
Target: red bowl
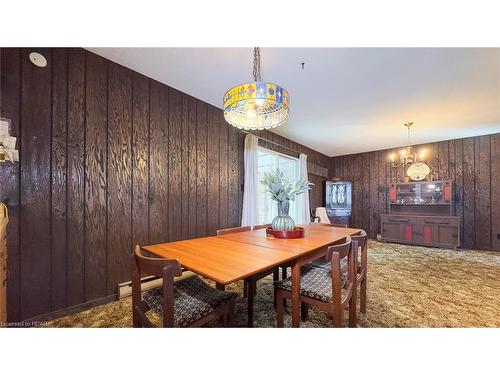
298 232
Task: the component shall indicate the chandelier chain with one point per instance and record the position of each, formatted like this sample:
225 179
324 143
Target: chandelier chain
256 64
408 126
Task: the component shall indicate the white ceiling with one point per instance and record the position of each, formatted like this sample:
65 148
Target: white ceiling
346 100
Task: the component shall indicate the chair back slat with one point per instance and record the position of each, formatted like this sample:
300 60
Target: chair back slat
362 257
361 238
156 266
351 264
342 249
220 232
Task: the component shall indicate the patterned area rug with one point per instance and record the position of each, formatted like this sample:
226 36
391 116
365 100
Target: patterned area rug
408 286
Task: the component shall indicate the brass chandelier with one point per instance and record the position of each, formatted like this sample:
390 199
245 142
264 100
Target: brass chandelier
407 155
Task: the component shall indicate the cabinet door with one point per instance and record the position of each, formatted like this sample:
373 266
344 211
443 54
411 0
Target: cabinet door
392 231
418 233
344 220
447 235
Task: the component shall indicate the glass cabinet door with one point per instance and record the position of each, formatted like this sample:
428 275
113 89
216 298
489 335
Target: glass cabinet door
431 192
422 193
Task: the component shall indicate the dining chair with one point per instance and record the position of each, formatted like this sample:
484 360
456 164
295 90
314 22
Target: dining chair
331 291
361 267
250 283
188 302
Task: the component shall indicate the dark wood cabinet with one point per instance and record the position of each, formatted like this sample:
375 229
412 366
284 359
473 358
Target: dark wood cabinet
338 201
421 213
344 220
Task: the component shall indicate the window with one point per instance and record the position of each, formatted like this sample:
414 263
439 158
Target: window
269 161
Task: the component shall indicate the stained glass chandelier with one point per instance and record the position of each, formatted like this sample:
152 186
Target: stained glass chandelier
256 105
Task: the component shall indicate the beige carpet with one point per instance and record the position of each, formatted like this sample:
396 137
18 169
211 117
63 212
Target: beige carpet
408 286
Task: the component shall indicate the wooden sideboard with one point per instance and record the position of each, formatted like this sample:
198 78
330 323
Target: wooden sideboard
421 213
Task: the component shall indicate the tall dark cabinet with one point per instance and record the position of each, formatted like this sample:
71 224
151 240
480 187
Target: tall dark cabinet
339 201
421 213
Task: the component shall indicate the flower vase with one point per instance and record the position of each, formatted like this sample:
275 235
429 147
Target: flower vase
283 221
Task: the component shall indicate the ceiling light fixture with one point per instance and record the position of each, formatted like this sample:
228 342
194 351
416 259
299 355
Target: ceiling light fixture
256 105
408 159
38 59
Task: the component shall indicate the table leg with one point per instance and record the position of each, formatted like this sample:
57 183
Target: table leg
250 299
296 295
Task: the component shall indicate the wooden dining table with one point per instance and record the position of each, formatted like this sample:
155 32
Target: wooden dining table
232 257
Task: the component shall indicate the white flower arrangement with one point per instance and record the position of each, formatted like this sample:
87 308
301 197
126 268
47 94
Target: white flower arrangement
281 188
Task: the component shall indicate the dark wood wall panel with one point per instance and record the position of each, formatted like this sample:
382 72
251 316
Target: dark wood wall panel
234 175
119 174
185 142
459 180
482 192
75 258
140 159
110 158
372 193
174 165
473 165
201 183
158 184
58 176
192 167
495 190
96 139
223 171
36 89
468 219
213 170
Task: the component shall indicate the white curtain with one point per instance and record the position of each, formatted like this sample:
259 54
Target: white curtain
250 214
303 213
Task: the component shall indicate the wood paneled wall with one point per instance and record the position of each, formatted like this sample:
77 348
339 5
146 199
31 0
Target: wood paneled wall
108 158
472 163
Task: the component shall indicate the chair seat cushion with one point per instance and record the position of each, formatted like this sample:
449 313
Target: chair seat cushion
193 299
315 282
326 265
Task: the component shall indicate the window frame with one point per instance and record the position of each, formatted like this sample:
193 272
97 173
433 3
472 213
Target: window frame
278 155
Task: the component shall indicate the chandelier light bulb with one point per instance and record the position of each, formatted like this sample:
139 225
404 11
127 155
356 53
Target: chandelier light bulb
260 102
